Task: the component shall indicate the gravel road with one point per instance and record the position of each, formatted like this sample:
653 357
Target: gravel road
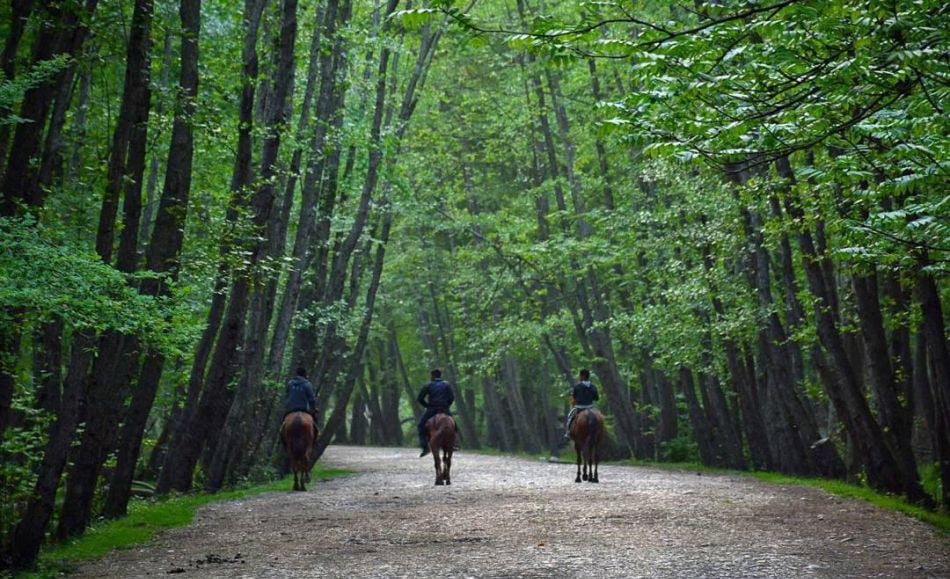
508 517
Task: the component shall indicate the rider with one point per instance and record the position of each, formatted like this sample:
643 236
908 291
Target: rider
436 397
583 395
300 396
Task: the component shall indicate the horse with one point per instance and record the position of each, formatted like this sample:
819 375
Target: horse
587 430
298 433
441 431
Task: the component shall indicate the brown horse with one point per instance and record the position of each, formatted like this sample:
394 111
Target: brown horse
298 433
441 431
587 430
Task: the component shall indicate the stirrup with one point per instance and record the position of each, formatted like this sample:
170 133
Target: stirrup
424 452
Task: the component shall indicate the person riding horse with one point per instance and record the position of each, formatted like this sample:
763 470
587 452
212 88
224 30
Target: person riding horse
298 429
583 395
436 397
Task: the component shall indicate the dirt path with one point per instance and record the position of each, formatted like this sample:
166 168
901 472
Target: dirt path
507 517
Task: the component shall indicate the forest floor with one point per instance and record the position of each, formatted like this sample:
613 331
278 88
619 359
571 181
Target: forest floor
509 517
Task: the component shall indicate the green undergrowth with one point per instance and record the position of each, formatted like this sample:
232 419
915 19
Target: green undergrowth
147 517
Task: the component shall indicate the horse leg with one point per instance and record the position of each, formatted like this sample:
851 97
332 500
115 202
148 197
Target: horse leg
438 467
577 451
447 466
296 482
595 461
586 452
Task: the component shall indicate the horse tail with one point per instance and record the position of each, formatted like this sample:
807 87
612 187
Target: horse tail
444 431
593 427
297 442
593 431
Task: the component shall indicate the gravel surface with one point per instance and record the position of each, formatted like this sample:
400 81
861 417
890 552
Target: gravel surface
507 517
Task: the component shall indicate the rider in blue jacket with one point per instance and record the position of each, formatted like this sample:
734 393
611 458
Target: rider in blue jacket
300 396
436 397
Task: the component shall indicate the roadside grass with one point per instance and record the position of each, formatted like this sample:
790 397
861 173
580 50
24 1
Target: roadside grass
145 519
941 521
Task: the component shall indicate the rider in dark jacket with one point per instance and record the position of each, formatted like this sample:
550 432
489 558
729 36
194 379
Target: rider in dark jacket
583 395
436 397
300 396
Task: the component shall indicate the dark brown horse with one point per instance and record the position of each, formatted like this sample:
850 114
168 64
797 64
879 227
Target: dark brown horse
587 430
441 431
298 433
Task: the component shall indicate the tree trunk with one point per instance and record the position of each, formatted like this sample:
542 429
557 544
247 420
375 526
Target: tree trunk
934 333
64 37
702 432
30 531
196 417
883 468
343 395
177 186
233 435
20 11
328 113
118 354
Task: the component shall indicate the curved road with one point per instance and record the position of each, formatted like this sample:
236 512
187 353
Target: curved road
507 517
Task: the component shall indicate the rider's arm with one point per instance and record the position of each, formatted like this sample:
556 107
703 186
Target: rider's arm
422 396
311 397
596 395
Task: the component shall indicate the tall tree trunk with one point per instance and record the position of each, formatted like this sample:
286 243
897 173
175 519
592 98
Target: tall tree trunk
883 380
150 204
883 469
355 362
329 62
30 531
233 434
63 38
702 431
118 356
196 417
20 11
932 328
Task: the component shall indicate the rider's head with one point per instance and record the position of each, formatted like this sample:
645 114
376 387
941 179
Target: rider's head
436 373
302 372
585 374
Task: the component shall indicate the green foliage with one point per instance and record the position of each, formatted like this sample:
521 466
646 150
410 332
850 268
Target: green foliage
12 90
47 277
21 451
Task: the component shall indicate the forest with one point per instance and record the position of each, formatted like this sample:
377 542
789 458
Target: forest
736 213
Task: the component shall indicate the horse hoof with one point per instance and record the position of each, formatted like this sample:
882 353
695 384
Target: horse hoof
448 482
439 483
585 477
593 480
577 480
